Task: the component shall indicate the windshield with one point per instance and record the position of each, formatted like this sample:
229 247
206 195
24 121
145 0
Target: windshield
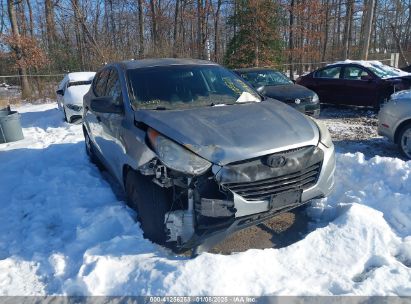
186 86
383 71
265 78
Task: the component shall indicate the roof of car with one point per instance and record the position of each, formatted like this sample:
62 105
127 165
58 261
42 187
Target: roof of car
80 76
248 70
146 63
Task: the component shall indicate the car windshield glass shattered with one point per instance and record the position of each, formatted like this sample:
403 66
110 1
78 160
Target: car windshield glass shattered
266 78
186 86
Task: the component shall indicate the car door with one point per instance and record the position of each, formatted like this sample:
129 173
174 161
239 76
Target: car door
328 84
361 86
110 124
92 119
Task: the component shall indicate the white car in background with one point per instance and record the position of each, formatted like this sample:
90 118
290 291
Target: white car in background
70 94
394 121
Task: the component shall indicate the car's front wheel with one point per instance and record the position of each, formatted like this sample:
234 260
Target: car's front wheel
66 118
405 140
90 150
151 203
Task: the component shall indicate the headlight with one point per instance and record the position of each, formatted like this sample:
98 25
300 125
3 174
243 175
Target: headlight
325 137
315 99
74 107
176 157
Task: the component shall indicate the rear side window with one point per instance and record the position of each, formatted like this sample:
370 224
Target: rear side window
114 88
331 72
100 83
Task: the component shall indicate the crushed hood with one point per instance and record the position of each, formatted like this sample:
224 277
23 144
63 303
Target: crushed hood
225 134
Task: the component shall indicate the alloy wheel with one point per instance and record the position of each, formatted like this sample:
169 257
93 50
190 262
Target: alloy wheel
406 142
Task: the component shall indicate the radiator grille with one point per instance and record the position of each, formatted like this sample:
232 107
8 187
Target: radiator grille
263 189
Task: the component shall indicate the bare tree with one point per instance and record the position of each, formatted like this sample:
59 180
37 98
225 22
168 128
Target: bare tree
25 87
367 29
50 24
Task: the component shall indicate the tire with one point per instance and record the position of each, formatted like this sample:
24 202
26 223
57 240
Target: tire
65 115
151 203
90 149
404 140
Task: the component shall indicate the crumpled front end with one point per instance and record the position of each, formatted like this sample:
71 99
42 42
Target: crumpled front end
234 196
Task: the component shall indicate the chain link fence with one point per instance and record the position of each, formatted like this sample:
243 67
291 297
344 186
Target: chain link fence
42 88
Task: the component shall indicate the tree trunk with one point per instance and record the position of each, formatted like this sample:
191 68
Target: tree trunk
290 41
399 47
216 31
175 30
154 31
327 14
141 28
50 24
367 29
348 28
25 87
31 23
200 47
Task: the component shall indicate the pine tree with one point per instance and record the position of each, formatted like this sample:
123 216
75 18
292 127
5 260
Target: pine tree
256 41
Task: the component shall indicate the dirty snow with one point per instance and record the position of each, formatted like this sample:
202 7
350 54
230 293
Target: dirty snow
65 231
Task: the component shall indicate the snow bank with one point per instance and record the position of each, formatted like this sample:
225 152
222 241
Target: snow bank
64 231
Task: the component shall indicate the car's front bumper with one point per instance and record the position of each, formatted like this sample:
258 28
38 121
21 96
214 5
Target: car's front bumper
308 108
73 112
239 213
386 124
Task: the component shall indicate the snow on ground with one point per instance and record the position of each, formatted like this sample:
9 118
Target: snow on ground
64 231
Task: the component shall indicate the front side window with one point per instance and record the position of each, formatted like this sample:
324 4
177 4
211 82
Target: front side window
355 73
266 78
100 82
331 72
186 86
114 88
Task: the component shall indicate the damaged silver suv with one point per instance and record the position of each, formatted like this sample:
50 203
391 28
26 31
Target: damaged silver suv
199 153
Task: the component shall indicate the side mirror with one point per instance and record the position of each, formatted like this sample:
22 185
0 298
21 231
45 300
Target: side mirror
60 92
105 104
260 89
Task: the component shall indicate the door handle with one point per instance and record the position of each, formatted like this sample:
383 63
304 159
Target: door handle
98 118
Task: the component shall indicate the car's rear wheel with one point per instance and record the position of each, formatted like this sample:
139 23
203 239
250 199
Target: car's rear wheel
405 140
151 203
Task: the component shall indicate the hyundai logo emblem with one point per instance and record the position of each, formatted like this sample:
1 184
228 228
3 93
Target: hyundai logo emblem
276 161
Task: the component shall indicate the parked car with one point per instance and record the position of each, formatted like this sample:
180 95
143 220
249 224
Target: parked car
70 93
359 83
276 85
407 69
394 121
197 151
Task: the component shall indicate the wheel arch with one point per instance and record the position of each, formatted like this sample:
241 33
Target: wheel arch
126 168
399 128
